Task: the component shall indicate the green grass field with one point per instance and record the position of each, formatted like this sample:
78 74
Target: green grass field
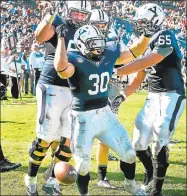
18 131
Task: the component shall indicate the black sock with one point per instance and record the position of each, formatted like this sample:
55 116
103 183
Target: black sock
128 169
33 169
145 157
82 183
159 176
1 154
102 170
160 164
53 174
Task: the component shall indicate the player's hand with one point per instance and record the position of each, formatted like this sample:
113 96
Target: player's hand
116 102
148 33
54 19
61 30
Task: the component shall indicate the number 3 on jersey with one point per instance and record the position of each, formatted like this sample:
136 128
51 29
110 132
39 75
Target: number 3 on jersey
100 84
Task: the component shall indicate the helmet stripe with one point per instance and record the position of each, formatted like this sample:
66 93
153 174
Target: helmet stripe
96 29
99 14
102 14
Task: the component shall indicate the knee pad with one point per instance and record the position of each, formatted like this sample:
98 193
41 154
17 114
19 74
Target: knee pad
64 152
139 143
129 156
139 146
38 150
83 166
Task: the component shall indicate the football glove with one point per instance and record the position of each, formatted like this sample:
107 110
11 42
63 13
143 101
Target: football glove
61 30
116 102
148 33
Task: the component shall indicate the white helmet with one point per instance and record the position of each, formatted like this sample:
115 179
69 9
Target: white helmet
98 17
90 41
79 12
150 17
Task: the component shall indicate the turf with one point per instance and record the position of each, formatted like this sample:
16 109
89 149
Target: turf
18 132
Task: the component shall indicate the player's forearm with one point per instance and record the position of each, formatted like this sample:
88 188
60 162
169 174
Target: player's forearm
140 64
61 59
135 83
125 58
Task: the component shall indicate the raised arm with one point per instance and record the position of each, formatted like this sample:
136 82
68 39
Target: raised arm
63 68
45 29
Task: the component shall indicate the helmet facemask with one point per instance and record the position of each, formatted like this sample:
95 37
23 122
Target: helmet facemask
103 26
95 47
92 48
142 25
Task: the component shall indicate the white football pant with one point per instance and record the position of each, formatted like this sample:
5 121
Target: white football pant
101 124
52 117
157 121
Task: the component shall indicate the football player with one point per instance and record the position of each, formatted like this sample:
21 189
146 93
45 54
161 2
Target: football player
100 19
89 70
53 97
165 102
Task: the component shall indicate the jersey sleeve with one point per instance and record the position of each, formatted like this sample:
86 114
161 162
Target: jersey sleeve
163 44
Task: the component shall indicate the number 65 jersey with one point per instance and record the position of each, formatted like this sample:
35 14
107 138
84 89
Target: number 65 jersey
89 84
166 75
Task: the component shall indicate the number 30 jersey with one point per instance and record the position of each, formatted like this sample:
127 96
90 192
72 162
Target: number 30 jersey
89 84
166 75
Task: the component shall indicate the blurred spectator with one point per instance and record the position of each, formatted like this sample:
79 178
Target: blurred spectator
4 68
27 75
20 49
16 66
36 62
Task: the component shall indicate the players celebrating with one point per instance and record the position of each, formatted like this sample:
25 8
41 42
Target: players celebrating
158 118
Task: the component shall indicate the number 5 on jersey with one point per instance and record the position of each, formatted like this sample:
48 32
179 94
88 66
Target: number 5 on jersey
99 85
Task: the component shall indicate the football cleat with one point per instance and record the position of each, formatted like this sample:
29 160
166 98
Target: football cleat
6 165
51 187
105 183
31 185
131 187
148 182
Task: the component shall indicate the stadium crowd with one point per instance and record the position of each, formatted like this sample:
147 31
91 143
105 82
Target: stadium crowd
21 18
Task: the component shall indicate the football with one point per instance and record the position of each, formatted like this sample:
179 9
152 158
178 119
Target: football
65 173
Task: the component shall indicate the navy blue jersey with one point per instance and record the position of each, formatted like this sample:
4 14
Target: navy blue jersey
89 84
166 75
49 74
